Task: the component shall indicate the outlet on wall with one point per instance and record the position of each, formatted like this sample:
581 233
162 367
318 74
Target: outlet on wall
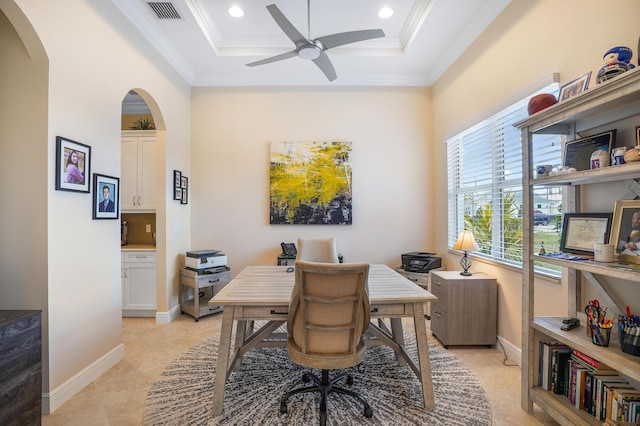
148 227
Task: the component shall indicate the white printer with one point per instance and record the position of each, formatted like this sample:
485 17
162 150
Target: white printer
204 259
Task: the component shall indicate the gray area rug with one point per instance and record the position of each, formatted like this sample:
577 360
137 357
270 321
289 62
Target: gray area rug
182 394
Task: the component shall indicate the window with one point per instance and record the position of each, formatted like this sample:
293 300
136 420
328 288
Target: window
484 167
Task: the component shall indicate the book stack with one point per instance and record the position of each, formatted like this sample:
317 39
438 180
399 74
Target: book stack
589 385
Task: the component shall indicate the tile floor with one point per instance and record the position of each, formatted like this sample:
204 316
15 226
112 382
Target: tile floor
117 397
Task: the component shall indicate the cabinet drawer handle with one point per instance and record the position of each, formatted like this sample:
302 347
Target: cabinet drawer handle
415 280
437 282
274 312
438 314
139 200
133 201
214 281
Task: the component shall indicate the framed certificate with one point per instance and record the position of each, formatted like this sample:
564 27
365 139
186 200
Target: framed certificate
580 231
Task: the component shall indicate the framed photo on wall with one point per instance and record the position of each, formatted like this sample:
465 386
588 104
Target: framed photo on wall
177 185
73 165
106 197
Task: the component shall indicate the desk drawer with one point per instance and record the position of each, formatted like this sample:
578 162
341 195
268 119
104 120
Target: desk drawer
388 310
262 312
208 280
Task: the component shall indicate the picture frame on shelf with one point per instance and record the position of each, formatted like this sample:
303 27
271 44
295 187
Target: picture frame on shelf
106 197
574 87
625 230
177 185
577 153
73 165
581 231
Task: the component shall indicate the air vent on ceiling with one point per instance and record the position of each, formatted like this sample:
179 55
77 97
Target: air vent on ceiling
164 10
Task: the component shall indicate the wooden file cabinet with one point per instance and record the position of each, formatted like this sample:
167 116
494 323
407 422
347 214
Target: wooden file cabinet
423 280
192 284
466 310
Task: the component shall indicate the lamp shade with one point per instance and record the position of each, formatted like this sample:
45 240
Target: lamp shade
466 242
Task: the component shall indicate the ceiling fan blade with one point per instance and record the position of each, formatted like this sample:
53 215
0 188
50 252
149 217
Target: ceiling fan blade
273 59
286 26
340 39
324 63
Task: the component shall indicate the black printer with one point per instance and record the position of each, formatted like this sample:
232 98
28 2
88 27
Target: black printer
421 262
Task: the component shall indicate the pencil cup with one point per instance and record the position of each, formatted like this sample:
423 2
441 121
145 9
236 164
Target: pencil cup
631 341
600 336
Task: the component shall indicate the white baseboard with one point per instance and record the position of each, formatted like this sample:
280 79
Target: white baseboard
513 352
167 317
53 400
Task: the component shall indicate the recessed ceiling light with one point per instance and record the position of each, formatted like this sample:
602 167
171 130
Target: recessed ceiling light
236 12
385 12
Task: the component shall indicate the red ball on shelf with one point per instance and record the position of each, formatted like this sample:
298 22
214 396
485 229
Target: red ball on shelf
540 102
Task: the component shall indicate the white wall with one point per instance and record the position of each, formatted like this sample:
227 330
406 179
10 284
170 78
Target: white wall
23 169
95 57
528 41
390 129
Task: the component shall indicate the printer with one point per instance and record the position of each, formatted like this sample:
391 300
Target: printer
199 260
421 262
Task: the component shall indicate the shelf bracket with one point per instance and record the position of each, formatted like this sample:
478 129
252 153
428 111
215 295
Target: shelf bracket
634 189
603 294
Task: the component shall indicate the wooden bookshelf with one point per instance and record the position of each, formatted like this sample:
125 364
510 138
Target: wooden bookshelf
610 104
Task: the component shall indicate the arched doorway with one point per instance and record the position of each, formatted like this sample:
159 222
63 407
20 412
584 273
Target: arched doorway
143 206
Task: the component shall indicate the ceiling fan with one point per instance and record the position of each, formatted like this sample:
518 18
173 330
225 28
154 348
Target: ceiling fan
314 49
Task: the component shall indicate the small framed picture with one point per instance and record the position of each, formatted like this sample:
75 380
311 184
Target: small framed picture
73 165
106 197
574 87
177 184
580 231
625 230
183 184
184 199
577 153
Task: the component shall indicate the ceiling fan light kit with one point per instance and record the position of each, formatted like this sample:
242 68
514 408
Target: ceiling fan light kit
314 49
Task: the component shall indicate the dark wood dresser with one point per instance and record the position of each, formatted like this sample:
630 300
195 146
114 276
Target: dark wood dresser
20 367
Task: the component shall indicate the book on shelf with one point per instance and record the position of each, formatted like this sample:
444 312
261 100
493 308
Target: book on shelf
625 405
559 370
590 361
581 376
590 387
548 354
601 384
608 398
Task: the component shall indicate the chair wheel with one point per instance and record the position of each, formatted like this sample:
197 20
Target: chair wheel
368 412
306 378
349 380
283 408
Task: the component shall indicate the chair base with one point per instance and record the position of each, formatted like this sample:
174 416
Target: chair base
325 387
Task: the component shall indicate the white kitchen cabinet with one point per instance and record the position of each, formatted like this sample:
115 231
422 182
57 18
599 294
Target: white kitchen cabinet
139 169
139 283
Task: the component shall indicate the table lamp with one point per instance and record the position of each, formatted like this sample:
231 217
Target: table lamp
466 243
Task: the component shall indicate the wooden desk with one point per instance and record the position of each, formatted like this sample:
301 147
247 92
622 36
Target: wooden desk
263 293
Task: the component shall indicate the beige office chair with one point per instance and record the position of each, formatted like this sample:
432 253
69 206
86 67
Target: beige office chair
317 250
328 314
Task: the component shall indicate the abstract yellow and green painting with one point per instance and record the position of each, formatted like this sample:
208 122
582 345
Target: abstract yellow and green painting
310 183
